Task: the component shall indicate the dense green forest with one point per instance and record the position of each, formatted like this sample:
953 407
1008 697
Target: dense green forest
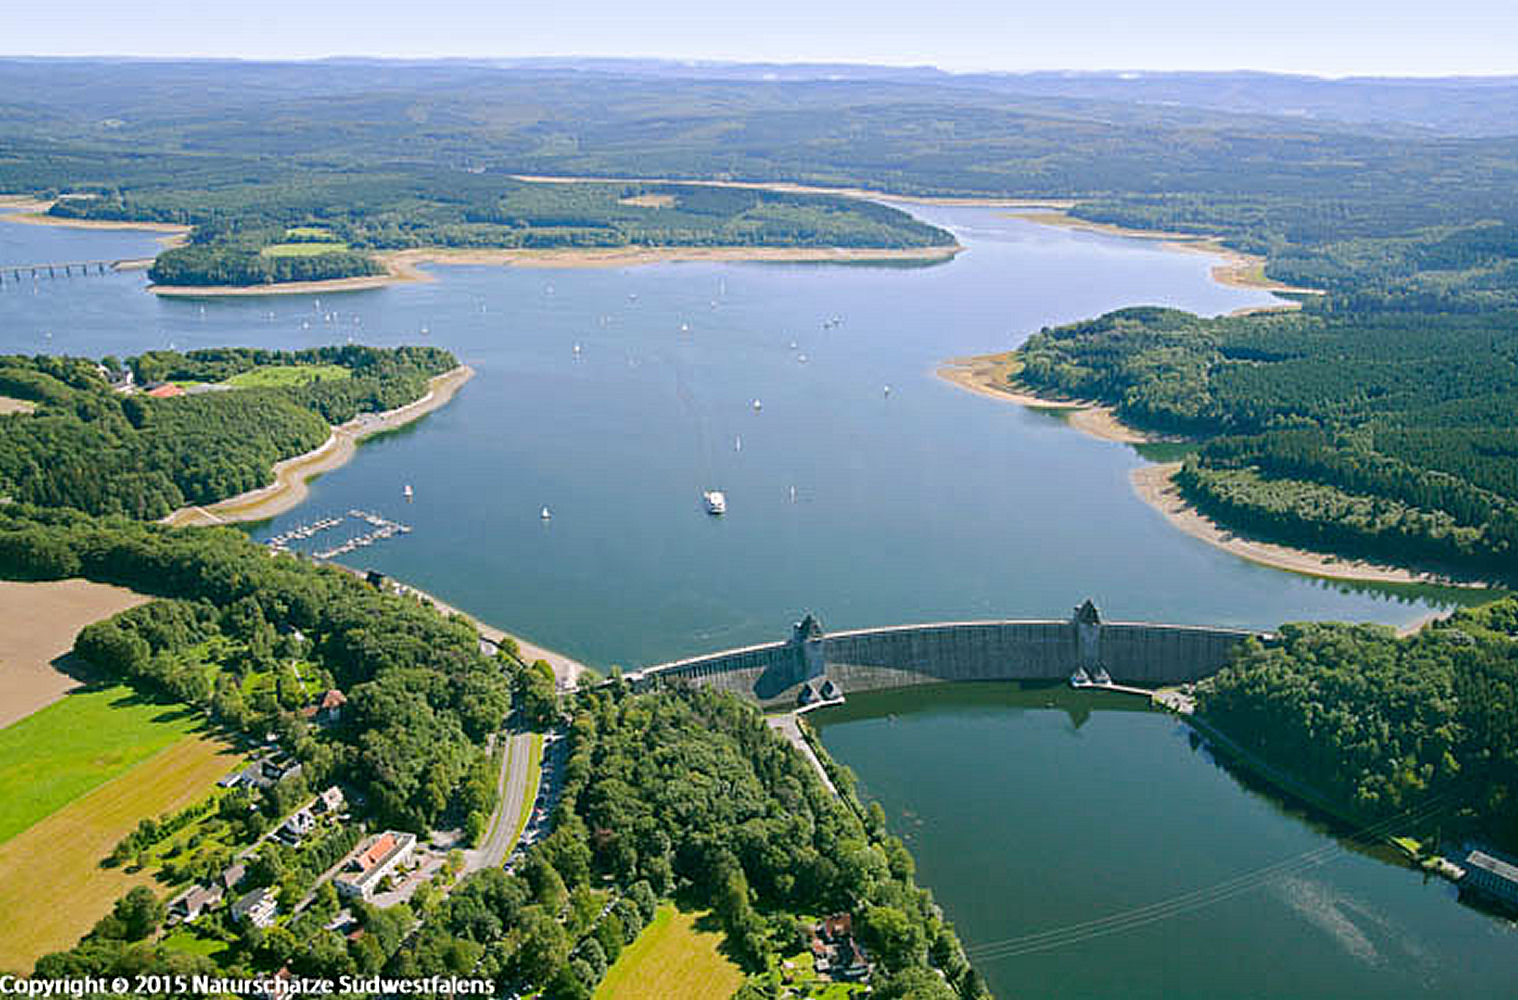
678 793
241 229
1388 435
391 155
1420 726
89 447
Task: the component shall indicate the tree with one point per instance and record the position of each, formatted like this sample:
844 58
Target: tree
139 913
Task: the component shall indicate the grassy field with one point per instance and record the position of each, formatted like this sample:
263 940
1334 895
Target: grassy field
671 958
302 249
51 884
308 233
282 375
53 756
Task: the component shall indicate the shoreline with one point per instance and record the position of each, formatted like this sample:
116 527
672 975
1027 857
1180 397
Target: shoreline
33 212
1155 485
566 671
791 187
1238 269
292 475
984 375
403 266
988 375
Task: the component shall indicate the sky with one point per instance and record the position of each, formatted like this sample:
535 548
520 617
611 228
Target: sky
1325 37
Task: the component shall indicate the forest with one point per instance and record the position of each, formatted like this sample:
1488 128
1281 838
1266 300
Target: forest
241 229
1392 436
676 794
92 448
1419 727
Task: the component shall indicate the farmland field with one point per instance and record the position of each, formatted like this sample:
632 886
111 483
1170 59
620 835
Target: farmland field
672 958
52 757
38 622
51 872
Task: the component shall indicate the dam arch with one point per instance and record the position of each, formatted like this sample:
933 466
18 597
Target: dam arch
813 665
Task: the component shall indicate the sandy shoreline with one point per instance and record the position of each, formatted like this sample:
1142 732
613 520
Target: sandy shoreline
1238 269
1155 485
988 375
404 265
788 187
32 212
289 488
566 671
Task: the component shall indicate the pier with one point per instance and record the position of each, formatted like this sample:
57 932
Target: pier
70 268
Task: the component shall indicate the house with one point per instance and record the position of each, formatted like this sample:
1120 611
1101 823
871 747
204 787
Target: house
835 953
329 802
300 823
190 905
267 773
328 710
1492 876
257 908
376 859
232 876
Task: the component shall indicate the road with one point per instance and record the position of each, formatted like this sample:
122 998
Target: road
511 791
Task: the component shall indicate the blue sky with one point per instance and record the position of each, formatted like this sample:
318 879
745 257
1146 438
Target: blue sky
1330 37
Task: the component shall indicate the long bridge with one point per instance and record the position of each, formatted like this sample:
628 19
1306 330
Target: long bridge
68 268
813 666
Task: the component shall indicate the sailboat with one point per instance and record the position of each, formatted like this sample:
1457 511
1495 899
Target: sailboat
407 492
545 514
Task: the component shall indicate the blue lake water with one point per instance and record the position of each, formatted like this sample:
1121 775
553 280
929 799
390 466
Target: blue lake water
870 508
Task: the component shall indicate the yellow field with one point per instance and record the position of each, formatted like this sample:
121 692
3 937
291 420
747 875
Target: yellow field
671 958
52 888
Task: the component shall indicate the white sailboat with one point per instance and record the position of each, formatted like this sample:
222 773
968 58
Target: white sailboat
716 501
407 492
545 514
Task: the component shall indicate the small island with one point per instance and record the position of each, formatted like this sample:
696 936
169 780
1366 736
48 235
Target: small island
286 241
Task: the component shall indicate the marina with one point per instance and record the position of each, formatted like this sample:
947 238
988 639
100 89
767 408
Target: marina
382 528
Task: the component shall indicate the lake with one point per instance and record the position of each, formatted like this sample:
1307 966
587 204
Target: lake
871 508
1083 848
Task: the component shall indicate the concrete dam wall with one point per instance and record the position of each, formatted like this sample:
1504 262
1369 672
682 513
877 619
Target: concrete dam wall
813 665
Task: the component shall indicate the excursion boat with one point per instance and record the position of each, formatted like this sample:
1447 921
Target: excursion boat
716 502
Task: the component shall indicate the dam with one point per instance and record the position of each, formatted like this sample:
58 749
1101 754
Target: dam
813 666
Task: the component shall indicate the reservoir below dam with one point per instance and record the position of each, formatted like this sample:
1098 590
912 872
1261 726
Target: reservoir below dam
1030 812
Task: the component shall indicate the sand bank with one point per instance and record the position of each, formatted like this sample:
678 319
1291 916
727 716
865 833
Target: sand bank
1236 269
290 476
32 212
991 374
787 187
1155 485
38 623
404 265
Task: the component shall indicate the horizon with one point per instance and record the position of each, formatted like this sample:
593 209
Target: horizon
567 62
1350 39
